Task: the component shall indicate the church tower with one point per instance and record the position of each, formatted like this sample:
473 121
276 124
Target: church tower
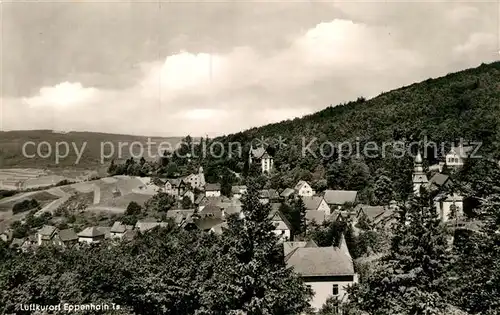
419 177
201 177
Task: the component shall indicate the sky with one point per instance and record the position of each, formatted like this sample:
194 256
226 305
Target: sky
212 68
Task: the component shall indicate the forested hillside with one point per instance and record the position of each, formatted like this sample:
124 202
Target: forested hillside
459 105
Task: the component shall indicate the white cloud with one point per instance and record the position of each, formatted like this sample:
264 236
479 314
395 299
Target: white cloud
202 92
63 95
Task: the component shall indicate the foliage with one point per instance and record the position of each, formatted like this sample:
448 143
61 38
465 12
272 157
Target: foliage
25 205
133 208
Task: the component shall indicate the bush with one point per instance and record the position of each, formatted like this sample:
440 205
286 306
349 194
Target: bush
25 205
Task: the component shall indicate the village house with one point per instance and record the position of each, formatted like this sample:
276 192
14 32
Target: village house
238 191
282 227
449 206
315 216
303 189
377 216
118 230
6 235
68 238
91 235
336 199
196 180
24 244
438 182
328 271
175 186
212 190
287 193
316 203
260 155
457 155
48 235
148 224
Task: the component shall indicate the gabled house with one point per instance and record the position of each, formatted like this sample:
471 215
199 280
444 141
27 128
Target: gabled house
457 155
238 191
336 199
304 189
212 190
282 227
68 238
91 235
317 203
212 211
175 186
180 216
118 230
328 271
260 155
378 216
288 247
287 193
439 181
315 216
449 206
48 235
23 244
196 180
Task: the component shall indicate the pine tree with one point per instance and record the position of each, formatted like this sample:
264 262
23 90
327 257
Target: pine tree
252 276
410 279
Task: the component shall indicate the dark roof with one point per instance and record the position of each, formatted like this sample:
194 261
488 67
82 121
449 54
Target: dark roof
258 152
212 187
277 217
67 235
315 215
312 203
206 223
320 261
439 179
47 230
340 197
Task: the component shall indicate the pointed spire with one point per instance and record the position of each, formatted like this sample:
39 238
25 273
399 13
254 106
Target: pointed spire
418 158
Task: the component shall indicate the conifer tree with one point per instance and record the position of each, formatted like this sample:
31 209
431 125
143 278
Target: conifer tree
409 279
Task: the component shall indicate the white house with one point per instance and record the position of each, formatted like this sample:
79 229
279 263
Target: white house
196 180
238 191
260 155
457 155
316 203
91 235
282 227
328 271
304 189
449 206
212 190
48 235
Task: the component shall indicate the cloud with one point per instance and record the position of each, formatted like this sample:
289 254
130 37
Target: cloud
62 95
209 89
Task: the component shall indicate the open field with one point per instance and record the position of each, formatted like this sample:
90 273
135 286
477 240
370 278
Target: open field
43 197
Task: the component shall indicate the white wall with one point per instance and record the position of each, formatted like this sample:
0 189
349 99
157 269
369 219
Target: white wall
212 193
323 206
443 209
323 290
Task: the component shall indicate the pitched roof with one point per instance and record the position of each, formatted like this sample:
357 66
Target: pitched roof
129 235
47 230
258 152
212 187
144 226
181 215
219 228
288 247
281 222
372 212
211 209
92 231
206 223
312 203
238 189
439 179
67 235
287 192
118 227
315 215
320 261
301 184
340 197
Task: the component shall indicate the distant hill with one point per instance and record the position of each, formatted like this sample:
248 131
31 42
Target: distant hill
11 145
464 104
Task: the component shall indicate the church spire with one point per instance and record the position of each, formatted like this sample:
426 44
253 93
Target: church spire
419 176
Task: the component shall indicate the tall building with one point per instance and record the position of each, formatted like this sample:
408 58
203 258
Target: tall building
419 176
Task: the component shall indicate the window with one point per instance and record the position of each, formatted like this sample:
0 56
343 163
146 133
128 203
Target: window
335 290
